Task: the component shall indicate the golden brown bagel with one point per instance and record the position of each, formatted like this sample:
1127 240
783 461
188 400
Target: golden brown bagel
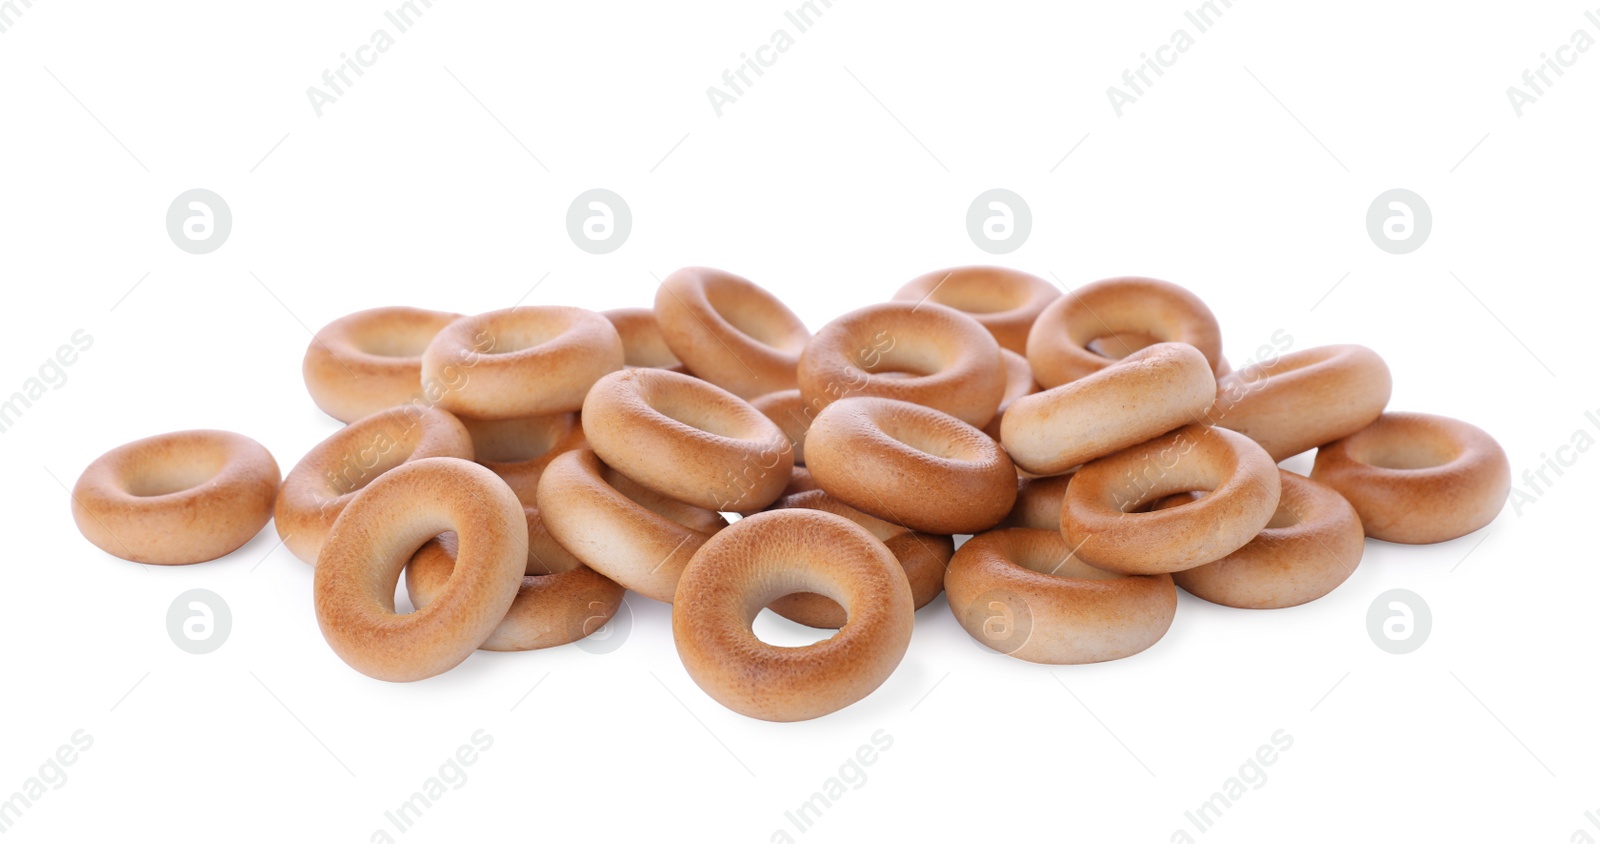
687 439
642 343
730 331
1303 399
1001 299
323 483
1101 518
762 558
1057 345
380 531
561 600
364 362
524 361
925 353
911 465
1022 592
923 556
1147 393
518 449
635 537
176 499
1417 478
1312 545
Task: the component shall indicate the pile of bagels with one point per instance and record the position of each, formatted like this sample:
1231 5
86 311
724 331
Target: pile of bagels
523 468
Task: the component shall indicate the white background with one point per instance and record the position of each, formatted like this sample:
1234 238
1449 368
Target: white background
442 179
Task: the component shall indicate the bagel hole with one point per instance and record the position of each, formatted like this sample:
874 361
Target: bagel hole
1406 456
1116 346
520 335
397 343
755 317
698 416
165 479
899 360
779 632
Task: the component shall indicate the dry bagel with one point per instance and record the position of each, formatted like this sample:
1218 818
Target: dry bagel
1101 515
1022 592
1303 399
730 331
762 558
1001 299
687 439
911 465
364 362
1058 344
923 353
323 483
523 361
1144 395
635 537
1312 544
176 499
380 531
1417 478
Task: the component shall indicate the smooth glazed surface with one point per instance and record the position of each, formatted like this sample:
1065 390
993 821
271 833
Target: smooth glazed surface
1303 399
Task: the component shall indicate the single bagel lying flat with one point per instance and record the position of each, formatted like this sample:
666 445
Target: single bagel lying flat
911 465
176 499
730 331
1022 592
364 362
687 439
1417 478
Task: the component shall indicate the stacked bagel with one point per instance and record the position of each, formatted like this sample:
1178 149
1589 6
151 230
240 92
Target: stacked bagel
523 469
